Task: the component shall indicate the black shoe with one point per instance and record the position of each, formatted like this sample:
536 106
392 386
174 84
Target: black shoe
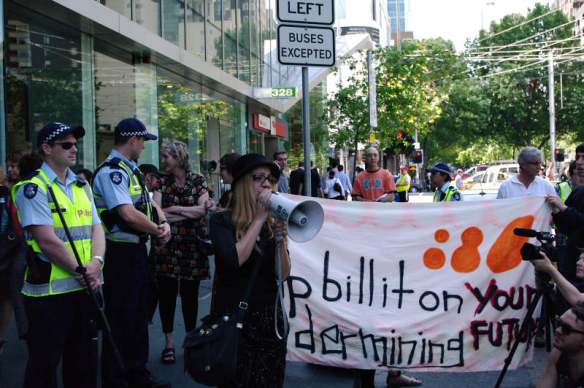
151 383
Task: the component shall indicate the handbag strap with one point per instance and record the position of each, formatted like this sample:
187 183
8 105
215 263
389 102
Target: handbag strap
243 304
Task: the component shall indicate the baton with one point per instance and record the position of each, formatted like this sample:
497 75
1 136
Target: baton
92 294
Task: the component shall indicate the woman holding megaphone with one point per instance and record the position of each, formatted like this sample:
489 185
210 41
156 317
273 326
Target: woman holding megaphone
244 240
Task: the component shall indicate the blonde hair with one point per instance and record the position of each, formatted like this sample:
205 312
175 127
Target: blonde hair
242 205
179 151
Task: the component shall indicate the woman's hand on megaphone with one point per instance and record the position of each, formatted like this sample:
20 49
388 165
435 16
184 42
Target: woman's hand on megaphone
264 199
280 227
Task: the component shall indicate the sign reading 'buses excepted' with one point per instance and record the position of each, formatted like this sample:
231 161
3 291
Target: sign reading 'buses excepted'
306 46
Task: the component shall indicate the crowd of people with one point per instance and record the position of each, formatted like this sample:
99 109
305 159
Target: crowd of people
140 238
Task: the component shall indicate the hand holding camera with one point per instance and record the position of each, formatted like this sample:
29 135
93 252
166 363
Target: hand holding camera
543 264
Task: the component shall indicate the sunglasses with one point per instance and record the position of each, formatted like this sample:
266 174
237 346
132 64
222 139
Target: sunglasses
67 145
566 329
263 178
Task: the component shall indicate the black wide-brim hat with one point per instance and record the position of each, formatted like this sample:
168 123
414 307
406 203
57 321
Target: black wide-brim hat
250 162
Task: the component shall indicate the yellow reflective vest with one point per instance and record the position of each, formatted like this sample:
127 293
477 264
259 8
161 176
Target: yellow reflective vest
43 277
140 200
451 193
403 184
565 190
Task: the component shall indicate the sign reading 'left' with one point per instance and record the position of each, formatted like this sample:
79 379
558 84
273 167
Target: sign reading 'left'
306 11
306 46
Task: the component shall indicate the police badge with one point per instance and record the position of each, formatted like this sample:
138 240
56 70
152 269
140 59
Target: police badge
30 190
116 177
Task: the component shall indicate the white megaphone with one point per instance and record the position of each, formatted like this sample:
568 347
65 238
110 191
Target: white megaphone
305 218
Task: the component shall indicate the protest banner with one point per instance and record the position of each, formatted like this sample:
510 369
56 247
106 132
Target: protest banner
425 286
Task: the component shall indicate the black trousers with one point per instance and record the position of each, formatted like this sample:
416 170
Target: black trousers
126 292
61 327
402 196
168 289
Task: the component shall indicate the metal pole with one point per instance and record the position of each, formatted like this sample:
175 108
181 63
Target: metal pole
397 38
417 140
372 88
552 108
306 127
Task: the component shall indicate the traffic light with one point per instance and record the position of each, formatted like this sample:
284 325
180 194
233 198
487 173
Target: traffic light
559 154
418 156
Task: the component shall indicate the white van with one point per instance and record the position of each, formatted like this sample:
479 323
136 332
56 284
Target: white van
496 175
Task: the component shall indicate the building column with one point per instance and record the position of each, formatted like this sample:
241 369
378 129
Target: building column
147 108
88 102
241 134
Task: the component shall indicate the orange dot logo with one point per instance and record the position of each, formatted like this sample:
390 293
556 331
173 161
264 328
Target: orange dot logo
503 256
434 258
467 257
442 236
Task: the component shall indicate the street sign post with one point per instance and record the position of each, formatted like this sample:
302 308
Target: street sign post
307 41
306 46
306 11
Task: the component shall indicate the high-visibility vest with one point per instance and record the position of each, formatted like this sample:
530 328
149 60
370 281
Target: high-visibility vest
140 200
565 190
402 181
450 193
43 277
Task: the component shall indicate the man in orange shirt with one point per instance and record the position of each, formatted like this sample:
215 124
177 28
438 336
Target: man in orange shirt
375 184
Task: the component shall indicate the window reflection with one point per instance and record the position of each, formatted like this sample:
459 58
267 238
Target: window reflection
230 25
173 22
147 13
115 97
123 7
43 77
214 38
196 28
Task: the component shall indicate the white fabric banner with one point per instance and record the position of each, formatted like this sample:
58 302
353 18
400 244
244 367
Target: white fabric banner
428 286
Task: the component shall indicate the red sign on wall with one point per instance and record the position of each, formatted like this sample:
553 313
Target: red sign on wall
261 123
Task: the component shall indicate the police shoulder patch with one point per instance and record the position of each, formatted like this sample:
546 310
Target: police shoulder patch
116 177
30 190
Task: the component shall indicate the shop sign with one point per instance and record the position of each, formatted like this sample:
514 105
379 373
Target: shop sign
261 122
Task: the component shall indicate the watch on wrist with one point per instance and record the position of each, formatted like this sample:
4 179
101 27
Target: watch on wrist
99 258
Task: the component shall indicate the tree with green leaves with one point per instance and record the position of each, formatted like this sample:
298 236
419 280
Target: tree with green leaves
511 63
412 85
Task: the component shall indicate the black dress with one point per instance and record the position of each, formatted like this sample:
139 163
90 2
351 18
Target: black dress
261 355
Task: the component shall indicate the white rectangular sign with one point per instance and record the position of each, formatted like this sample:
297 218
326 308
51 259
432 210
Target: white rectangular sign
306 11
429 286
306 46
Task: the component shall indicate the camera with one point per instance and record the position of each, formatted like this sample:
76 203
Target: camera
533 252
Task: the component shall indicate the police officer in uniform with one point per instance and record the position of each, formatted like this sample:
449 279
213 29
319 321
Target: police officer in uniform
445 190
126 211
60 313
403 185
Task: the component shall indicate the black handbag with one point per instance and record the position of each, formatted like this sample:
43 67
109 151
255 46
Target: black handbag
211 349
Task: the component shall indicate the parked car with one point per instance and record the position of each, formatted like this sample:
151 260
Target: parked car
474 170
494 176
473 182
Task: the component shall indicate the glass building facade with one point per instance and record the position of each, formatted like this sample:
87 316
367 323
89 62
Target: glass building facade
95 76
397 15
